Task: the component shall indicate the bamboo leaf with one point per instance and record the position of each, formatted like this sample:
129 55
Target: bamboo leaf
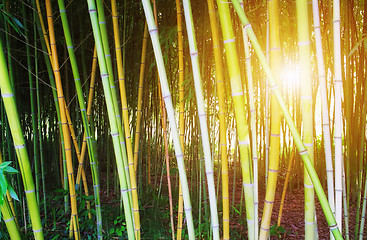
4 164
357 45
10 170
12 193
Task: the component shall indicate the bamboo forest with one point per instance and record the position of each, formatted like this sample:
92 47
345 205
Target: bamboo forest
179 119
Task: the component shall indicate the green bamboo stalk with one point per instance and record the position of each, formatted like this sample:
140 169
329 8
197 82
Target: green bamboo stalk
9 220
32 102
239 107
202 118
83 111
171 116
112 120
306 108
19 144
296 136
131 180
39 120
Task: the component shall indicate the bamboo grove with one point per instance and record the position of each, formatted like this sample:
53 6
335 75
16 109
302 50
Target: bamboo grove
183 119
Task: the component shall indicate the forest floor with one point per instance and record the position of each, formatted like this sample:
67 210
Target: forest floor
292 220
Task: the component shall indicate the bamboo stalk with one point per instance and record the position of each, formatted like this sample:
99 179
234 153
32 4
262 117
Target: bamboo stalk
170 112
239 107
112 120
181 115
273 165
121 78
325 110
140 97
296 136
338 115
306 108
202 117
222 116
88 135
19 144
65 129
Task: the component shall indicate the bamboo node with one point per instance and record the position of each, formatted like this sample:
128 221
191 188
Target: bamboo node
269 202
8 220
194 53
153 30
332 227
264 229
114 134
215 226
102 22
237 94
188 209
272 170
5 95
275 49
308 186
179 155
38 230
304 43
228 40
309 223
304 151
243 142
19 146
248 185
247 25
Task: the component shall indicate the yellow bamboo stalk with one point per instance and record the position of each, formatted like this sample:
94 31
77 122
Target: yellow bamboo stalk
275 63
222 116
125 116
140 97
77 150
43 27
181 91
290 164
65 129
89 109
